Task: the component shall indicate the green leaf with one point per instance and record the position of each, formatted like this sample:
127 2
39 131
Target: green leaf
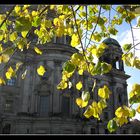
112 126
106 7
13 36
102 104
22 24
36 21
112 30
132 113
106 67
24 33
68 66
127 47
97 69
89 112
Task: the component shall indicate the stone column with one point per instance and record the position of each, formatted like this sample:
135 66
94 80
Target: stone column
56 104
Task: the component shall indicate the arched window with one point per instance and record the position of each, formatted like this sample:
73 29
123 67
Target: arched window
93 131
119 99
117 65
6 129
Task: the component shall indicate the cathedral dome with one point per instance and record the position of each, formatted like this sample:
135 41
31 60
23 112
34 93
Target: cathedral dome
111 41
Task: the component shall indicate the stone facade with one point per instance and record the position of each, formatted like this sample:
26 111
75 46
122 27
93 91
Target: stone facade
35 106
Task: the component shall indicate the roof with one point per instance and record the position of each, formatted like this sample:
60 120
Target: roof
111 41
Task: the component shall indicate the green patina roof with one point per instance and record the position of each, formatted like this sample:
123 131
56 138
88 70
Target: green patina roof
111 41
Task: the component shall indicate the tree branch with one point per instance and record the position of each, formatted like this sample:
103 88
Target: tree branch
7 16
87 25
79 35
95 25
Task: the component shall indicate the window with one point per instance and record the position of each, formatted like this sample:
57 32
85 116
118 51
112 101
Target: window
106 131
68 39
117 65
59 39
120 99
92 130
65 106
44 105
105 115
124 132
11 82
6 129
8 106
90 91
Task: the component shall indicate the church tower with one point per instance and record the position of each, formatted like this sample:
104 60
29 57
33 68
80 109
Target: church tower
117 77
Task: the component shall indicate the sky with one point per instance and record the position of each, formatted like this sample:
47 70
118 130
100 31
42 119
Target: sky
124 36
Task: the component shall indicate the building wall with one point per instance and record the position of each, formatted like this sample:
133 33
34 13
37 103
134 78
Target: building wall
26 95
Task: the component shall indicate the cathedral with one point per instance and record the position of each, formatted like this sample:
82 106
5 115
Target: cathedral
34 105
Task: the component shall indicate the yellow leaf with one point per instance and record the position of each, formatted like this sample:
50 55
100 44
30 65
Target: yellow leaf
122 112
9 73
18 65
20 46
13 36
62 85
102 104
52 7
89 112
81 103
17 9
24 33
96 110
41 70
80 72
79 85
75 40
37 50
0 59
121 121
34 13
5 58
2 82
138 109
1 49
104 92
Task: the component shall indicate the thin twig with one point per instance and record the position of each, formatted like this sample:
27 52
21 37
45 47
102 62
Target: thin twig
77 30
95 25
131 49
87 25
109 19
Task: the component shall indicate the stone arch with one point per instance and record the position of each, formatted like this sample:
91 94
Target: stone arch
43 98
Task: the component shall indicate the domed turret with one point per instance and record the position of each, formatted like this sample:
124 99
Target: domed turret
113 54
111 41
